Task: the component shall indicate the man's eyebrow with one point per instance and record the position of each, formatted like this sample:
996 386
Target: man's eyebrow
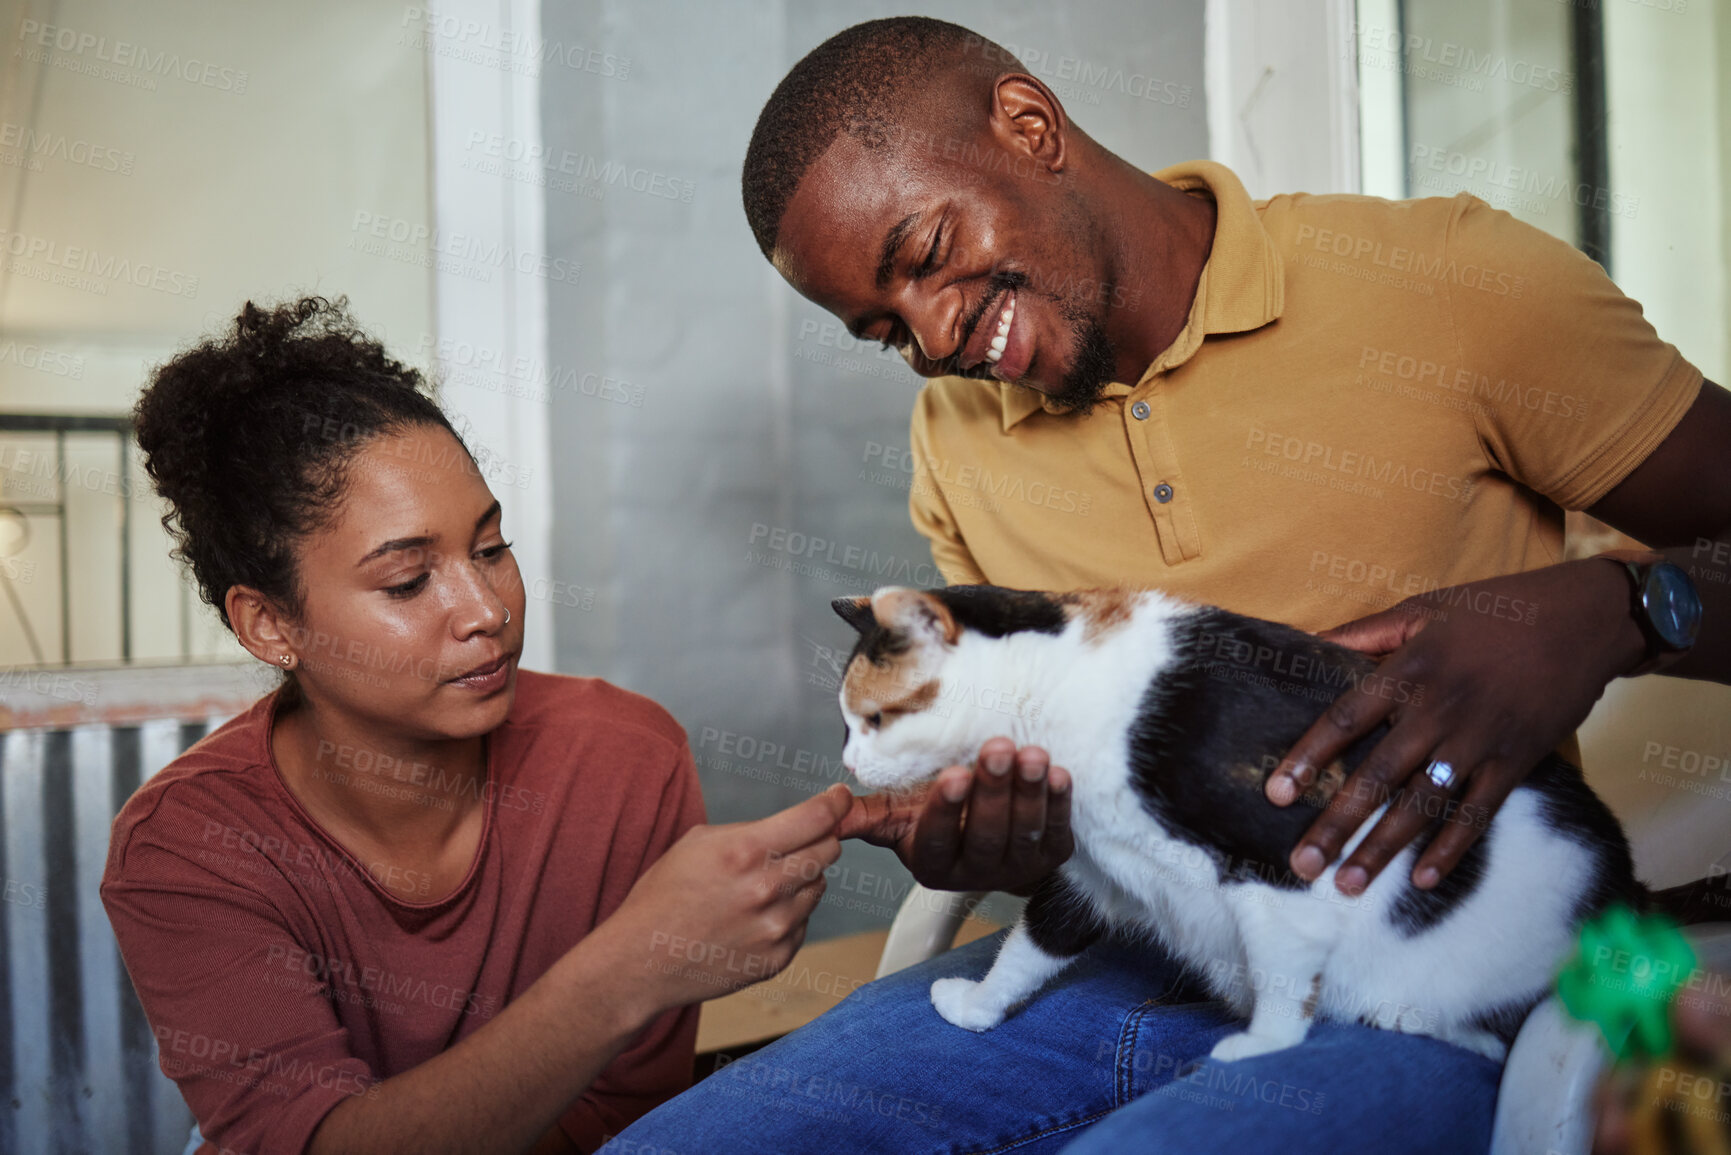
892 244
420 541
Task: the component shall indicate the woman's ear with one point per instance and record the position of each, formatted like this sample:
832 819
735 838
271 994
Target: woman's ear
261 626
916 614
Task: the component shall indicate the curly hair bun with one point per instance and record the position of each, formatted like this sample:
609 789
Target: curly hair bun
247 436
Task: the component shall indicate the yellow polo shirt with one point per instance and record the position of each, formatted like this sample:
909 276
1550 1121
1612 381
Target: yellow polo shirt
1370 399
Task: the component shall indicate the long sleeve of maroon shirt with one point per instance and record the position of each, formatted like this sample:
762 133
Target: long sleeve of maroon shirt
280 976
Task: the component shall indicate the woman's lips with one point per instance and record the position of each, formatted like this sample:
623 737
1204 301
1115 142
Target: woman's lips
486 679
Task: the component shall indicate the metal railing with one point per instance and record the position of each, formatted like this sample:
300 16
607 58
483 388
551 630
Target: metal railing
33 511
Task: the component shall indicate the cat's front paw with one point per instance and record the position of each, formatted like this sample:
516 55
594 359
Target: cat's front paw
964 1003
1244 1045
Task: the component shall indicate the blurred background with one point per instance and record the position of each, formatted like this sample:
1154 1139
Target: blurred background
537 203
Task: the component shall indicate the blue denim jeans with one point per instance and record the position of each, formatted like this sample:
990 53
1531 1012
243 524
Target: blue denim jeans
1111 1057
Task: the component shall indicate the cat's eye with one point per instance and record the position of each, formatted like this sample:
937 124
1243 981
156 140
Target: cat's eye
875 719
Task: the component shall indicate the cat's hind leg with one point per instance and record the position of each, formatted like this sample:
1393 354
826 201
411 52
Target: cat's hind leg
1057 926
1285 952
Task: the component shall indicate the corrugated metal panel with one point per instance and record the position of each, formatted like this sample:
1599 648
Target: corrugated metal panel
78 1065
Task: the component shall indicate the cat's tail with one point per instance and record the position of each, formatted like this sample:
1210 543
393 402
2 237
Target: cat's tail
1704 900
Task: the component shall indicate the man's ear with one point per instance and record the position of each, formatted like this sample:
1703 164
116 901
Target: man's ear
1027 118
856 612
260 625
915 613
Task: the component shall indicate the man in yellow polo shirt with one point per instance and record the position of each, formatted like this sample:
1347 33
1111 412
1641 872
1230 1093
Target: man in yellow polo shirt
1345 442
1310 409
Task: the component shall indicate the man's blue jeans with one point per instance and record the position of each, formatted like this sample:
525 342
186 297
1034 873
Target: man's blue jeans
1105 1059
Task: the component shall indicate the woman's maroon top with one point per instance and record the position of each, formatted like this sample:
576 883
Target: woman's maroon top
279 976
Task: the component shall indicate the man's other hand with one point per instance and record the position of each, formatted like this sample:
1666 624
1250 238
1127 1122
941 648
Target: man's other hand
1482 679
1001 824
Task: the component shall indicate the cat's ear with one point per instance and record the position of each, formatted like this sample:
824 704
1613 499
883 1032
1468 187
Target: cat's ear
915 613
856 612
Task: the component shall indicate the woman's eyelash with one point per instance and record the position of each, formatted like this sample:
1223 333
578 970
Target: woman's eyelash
408 588
413 586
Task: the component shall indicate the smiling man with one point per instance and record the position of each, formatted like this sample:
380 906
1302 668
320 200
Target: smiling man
1299 408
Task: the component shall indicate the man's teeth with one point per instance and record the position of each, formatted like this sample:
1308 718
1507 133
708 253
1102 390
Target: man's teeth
996 349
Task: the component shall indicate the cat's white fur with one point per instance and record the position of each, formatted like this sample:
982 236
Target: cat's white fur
1266 951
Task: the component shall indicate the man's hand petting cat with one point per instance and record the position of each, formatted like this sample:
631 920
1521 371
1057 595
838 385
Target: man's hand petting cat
725 907
1001 824
1477 682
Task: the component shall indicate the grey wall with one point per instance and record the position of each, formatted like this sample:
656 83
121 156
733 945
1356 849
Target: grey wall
740 407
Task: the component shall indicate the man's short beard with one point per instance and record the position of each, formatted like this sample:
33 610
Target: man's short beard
1096 363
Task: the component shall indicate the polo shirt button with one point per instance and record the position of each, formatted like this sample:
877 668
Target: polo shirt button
1139 411
1162 493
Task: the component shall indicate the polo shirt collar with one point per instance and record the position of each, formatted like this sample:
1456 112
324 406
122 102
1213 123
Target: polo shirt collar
1242 285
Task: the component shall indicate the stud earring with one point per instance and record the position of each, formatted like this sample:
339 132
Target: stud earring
286 660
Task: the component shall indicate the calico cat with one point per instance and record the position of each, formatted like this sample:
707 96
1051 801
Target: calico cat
1169 716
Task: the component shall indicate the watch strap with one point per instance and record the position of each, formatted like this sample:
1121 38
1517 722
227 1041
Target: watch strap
1637 563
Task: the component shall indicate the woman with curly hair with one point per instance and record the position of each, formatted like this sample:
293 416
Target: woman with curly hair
414 899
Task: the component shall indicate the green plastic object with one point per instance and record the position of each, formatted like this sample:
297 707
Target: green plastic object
1621 977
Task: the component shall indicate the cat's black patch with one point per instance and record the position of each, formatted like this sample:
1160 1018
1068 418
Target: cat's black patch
879 645
1061 921
1416 911
1569 807
995 611
1504 1022
989 610
1239 693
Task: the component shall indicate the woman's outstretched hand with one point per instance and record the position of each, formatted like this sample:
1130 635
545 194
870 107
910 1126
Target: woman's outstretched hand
725 907
1000 824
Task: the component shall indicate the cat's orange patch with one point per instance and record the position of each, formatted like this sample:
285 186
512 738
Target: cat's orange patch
1102 611
1327 785
886 689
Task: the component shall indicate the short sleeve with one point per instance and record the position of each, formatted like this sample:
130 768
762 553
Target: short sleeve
1573 388
234 998
658 1065
930 510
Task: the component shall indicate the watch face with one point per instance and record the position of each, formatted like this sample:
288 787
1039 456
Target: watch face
1673 606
